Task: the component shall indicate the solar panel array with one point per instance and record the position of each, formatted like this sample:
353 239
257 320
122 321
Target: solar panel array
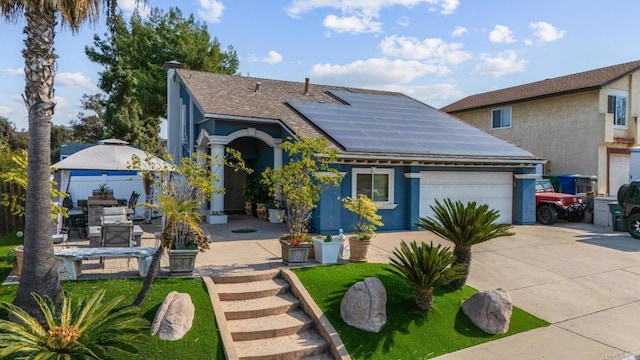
398 124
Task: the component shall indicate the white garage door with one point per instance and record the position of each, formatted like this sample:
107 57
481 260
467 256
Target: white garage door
493 188
618 172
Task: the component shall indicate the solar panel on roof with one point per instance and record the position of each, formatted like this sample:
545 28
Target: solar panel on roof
398 124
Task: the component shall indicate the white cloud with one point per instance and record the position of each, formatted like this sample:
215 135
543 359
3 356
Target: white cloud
351 24
459 31
75 80
374 72
6 111
431 49
546 32
404 21
504 63
273 58
501 34
211 11
128 6
11 71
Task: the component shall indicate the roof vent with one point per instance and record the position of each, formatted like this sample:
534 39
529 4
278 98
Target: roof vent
306 86
258 83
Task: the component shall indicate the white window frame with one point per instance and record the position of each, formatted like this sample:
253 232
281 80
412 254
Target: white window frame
619 94
183 123
376 171
501 110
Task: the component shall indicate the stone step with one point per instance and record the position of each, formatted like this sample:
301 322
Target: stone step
245 277
252 290
269 326
254 308
292 347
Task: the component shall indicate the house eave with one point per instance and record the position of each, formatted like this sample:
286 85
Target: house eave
440 161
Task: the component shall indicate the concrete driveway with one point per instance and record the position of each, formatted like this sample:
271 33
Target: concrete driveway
583 279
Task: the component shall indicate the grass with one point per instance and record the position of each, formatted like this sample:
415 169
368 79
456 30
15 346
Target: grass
6 243
408 334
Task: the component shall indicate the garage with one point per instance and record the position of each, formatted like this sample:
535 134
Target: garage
618 172
493 188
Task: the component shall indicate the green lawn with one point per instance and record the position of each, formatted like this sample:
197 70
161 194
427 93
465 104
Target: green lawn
6 243
408 334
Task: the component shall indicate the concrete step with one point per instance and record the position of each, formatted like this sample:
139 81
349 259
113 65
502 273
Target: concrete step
252 290
269 326
253 308
292 347
245 277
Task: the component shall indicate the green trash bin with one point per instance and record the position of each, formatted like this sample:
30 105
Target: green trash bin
618 222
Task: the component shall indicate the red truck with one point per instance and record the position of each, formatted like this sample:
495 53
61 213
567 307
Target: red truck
551 205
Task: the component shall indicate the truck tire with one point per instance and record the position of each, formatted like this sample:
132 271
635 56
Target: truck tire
546 215
634 225
622 194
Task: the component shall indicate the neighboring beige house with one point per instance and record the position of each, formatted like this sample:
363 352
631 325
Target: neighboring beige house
583 123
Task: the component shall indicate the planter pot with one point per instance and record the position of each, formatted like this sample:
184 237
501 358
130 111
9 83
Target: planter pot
326 252
359 249
261 211
276 216
295 254
17 266
182 262
248 208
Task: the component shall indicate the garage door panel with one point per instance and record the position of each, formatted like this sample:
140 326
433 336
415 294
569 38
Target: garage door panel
618 171
494 189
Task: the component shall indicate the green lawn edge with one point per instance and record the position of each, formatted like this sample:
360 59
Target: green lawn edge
407 334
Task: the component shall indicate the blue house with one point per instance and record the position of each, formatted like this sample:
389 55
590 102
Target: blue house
403 153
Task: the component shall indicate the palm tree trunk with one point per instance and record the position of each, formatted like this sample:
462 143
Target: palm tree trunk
463 256
151 274
424 299
39 274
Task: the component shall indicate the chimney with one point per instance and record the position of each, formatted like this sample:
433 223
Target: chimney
306 86
258 83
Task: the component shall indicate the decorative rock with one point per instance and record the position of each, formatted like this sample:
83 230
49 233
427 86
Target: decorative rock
364 306
174 317
489 310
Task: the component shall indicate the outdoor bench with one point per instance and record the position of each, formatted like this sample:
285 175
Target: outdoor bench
70 260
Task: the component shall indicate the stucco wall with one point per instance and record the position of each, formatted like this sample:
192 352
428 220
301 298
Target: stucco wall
565 130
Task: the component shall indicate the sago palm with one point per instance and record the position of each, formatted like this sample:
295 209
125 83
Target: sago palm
425 267
465 226
87 329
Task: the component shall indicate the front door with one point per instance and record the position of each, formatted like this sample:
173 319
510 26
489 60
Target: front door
234 182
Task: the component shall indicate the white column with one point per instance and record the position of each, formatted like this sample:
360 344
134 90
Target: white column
217 167
277 156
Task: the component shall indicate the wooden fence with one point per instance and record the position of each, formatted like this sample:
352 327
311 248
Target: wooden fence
10 223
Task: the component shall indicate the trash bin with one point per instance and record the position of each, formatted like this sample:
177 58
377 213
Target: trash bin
618 222
567 183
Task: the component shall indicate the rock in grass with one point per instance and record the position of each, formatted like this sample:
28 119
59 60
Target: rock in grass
364 306
489 310
174 317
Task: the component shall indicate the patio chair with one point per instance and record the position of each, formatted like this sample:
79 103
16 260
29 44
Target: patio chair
117 235
131 206
113 215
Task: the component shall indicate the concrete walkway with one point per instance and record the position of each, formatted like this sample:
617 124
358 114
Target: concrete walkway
583 279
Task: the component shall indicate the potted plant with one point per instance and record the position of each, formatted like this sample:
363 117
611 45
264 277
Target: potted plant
276 211
262 197
103 191
368 219
298 184
326 249
14 258
186 240
249 195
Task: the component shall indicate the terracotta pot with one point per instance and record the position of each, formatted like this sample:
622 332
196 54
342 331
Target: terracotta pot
248 208
261 211
359 249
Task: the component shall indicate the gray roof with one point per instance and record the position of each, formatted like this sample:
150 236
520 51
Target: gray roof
357 122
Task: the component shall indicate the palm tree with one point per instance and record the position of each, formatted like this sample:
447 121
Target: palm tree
425 267
465 226
88 329
39 273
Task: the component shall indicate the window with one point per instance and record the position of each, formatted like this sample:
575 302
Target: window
376 183
501 118
183 124
617 105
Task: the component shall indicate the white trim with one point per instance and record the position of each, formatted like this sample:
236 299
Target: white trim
248 132
619 93
375 171
183 123
526 176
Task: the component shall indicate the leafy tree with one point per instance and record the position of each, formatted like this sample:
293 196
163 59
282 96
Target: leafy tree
90 126
16 139
133 55
59 135
366 211
425 267
39 274
465 226
87 329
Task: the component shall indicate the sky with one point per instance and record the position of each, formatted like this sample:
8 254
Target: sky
436 51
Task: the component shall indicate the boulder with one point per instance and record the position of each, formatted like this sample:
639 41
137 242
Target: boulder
174 317
489 310
364 306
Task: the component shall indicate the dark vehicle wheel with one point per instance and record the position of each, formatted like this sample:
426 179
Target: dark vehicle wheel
634 225
547 215
575 217
622 193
